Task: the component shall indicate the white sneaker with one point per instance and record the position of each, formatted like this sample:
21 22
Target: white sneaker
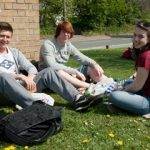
105 86
147 116
44 98
18 107
95 90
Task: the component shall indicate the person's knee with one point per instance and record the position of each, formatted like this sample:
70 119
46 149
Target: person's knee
145 107
115 96
49 72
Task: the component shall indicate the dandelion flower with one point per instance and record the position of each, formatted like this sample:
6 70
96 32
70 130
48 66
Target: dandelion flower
86 141
120 143
111 135
26 147
11 147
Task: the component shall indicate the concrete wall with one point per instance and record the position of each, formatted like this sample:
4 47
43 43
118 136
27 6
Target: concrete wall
23 15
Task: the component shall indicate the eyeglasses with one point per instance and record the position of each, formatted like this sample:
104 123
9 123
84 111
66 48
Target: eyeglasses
66 32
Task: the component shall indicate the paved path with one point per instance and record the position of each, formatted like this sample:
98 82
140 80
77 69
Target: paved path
98 42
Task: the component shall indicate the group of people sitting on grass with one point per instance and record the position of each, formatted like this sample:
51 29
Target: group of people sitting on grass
82 87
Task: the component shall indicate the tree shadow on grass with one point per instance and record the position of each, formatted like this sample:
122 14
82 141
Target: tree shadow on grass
99 108
103 110
63 105
3 114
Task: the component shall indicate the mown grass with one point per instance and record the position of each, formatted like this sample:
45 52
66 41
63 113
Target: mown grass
98 129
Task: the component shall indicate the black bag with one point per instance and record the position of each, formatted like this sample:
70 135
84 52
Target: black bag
31 125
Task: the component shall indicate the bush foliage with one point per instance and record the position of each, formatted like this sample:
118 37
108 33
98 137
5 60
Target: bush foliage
89 15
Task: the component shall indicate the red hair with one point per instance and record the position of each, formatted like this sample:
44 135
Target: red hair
65 26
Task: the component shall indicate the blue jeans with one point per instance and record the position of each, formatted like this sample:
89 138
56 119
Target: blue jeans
45 79
131 102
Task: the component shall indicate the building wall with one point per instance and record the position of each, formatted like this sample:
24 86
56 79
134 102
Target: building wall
23 15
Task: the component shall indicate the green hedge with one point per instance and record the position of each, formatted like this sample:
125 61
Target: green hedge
89 15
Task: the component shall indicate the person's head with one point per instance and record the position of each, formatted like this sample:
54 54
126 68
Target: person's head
6 27
6 32
141 36
64 27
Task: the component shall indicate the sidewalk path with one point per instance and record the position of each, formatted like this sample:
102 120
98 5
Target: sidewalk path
98 42
77 38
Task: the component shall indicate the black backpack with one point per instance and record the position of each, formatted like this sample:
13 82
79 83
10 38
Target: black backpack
31 125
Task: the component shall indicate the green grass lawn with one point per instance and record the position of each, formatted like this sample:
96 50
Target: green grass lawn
98 129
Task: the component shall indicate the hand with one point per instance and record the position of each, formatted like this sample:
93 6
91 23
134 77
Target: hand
30 85
96 72
80 76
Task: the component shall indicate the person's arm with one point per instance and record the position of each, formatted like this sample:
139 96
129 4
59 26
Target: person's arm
47 52
27 81
80 57
139 81
133 76
25 64
97 69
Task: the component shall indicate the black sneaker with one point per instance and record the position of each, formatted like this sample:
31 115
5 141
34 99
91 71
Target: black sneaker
84 102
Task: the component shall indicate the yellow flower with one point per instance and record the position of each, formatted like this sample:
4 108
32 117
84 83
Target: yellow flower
26 147
120 143
135 121
108 116
138 129
86 141
11 147
86 123
111 135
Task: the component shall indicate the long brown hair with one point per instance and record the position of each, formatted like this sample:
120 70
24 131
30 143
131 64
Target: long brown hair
145 26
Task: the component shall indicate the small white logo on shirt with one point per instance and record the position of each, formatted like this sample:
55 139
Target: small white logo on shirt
6 64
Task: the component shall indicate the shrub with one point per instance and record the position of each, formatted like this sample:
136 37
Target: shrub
104 13
87 15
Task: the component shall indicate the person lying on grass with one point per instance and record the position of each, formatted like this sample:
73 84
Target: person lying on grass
135 97
20 89
55 54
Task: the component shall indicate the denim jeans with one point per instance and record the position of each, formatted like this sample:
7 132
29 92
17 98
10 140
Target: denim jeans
131 102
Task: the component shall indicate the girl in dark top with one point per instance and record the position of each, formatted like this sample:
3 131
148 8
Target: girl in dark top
135 97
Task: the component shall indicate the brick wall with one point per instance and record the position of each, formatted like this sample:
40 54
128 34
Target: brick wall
23 15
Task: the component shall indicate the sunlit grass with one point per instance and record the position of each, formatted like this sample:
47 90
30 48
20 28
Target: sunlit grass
98 129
